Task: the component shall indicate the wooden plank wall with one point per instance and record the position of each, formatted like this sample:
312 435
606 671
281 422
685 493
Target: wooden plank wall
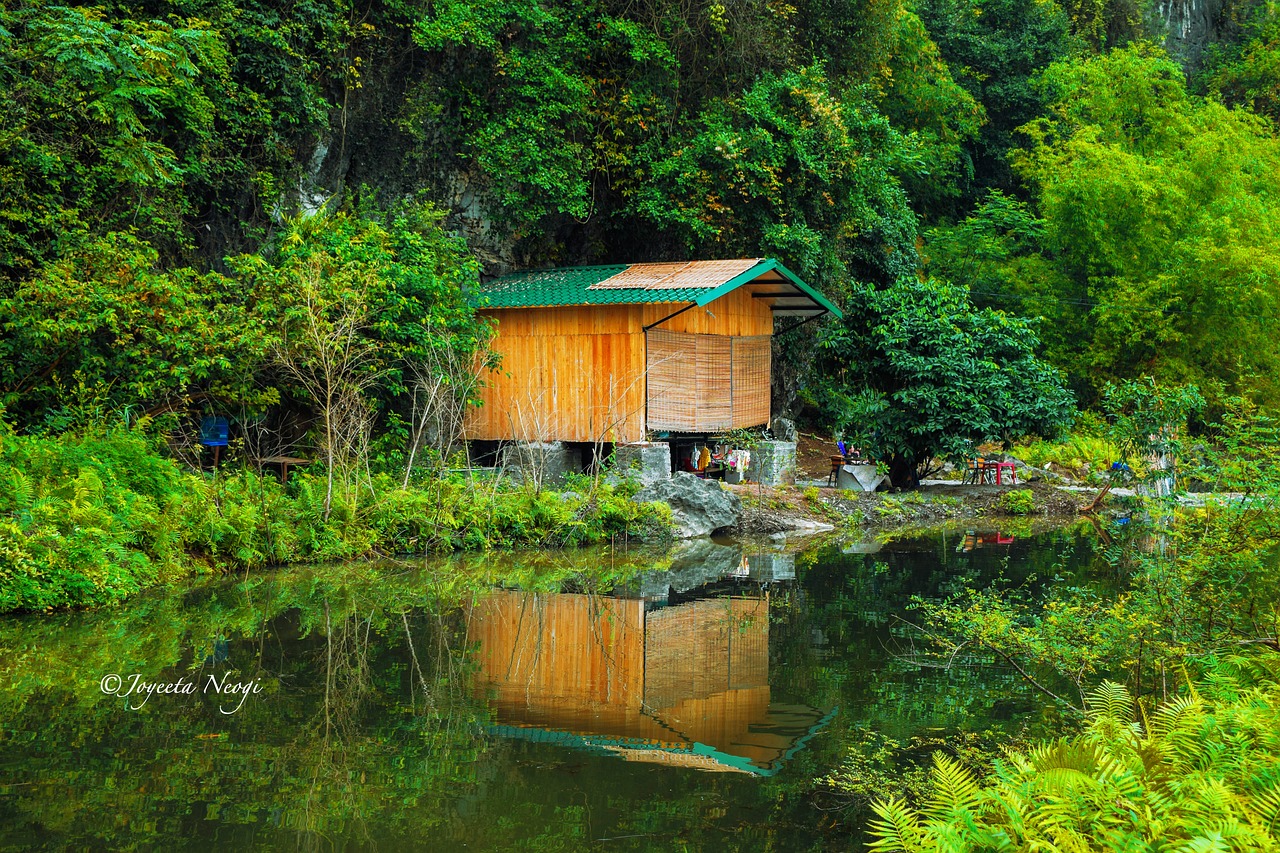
735 313
567 374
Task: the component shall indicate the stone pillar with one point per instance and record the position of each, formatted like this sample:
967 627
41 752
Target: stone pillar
773 463
646 461
544 461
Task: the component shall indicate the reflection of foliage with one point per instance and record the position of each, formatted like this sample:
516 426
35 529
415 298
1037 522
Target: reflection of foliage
1190 584
369 729
877 766
346 700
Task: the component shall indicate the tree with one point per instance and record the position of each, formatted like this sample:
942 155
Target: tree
371 313
996 49
916 372
104 330
1246 72
789 169
1163 214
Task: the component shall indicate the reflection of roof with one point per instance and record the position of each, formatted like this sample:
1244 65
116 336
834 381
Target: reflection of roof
698 756
700 282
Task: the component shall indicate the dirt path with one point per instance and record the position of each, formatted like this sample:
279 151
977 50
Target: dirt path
788 508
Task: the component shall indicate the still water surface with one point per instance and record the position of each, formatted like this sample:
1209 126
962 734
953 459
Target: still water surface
550 702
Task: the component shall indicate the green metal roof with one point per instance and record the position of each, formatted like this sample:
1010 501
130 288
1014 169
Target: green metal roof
576 286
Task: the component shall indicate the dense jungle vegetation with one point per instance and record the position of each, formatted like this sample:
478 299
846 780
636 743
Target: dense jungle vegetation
280 213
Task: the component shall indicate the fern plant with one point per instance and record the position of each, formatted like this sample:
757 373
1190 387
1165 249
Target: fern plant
1201 774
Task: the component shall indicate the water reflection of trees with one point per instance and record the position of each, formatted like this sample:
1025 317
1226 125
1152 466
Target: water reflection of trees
369 732
363 725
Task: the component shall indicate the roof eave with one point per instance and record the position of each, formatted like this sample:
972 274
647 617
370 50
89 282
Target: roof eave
760 269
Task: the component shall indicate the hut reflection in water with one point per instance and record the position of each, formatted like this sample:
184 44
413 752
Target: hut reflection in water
685 685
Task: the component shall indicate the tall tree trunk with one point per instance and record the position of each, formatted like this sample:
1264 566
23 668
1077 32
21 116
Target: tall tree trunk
328 440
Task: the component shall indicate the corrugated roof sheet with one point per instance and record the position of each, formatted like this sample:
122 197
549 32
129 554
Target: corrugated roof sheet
677 276
617 284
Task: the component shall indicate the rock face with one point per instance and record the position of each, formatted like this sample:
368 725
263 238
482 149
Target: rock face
698 507
1189 27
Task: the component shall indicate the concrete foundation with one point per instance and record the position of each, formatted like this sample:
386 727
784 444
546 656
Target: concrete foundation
773 463
646 461
543 462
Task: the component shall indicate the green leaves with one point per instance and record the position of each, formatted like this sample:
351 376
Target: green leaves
1163 224
106 325
926 374
788 169
1201 778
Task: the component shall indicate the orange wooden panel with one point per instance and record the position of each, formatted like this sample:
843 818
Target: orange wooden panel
568 379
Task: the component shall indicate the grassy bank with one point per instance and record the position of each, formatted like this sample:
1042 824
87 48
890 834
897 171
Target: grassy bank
91 519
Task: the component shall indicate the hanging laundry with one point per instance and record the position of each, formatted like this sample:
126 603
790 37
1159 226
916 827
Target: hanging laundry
704 458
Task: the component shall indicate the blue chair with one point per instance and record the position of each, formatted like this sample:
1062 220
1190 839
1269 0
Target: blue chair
214 432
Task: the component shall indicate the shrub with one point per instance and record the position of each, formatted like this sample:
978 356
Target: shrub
1073 453
92 519
1017 502
1200 773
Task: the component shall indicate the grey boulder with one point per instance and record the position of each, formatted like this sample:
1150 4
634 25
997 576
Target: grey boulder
698 507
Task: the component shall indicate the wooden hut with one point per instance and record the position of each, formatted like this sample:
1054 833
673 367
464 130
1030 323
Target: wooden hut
614 353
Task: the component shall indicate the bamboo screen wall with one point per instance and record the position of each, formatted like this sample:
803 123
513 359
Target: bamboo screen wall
706 383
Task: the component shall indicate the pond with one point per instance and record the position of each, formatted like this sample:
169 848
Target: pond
599 700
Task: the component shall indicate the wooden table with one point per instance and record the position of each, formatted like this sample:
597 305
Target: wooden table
284 462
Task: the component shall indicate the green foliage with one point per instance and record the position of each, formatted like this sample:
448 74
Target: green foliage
400 273
876 764
91 519
918 372
1162 215
995 49
1149 245
1074 452
1245 71
148 116
105 330
80 139
1199 774
1192 585
788 169
1149 420
86 520
937 116
1017 502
